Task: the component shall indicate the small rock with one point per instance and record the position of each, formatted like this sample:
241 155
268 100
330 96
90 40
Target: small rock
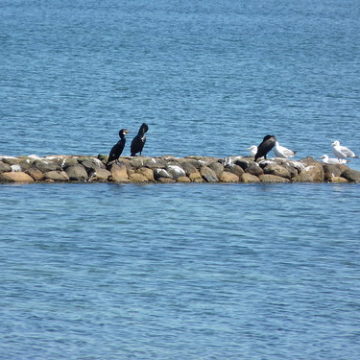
333 170
248 178
208 174
20 177
228 177
148 173
189 168
10 160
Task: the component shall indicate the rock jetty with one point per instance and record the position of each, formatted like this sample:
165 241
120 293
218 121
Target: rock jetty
170 169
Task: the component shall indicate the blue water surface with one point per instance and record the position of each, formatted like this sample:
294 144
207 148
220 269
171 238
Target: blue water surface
192 271
179 272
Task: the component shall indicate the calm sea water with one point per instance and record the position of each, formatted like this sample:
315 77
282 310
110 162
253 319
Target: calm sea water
105 271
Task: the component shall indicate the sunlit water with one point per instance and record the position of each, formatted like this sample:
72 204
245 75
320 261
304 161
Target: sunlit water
105 271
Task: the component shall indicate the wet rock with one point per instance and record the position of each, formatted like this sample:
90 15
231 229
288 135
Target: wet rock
208 174
248 178
351 175
338 179
161 173
119 173
4 167
20 177
175 171
166 180
235 169
77 173
254 169
36 174
56 175
277 170
228 177
268 178
183 179
216 167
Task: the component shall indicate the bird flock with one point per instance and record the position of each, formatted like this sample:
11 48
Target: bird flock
269 142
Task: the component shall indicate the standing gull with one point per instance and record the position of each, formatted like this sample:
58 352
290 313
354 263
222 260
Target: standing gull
266 145
342 152
283 152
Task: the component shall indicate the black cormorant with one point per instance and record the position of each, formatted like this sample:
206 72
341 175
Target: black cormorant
139 140
118 148
266 145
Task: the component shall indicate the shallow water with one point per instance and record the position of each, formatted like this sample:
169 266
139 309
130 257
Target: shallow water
197 271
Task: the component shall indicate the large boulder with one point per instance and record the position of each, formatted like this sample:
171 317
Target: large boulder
208 174
138 178
313 171
119 173
196 177
277 170
268 178
4 167
248 178
351 175
20 177
235 169
254 169
217 167
100 174
333 170
189 168
56 176
162 173
175 171
228 177
148 173
36 174
77 173
46 165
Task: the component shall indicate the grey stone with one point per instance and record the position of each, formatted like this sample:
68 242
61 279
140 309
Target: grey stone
235 169
77 173
216 167
46 165
254 169
351 175
208 174
175 171
277 170
4 167
161 173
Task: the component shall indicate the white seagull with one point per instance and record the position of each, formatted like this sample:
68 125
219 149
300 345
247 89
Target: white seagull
283 152
327 160
342 152
252 149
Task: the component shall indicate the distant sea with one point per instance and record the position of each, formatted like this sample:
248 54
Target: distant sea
180 271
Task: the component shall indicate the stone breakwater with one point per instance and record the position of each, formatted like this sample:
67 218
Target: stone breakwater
169 169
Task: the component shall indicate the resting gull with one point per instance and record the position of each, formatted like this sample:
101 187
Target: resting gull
342 152
283 152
